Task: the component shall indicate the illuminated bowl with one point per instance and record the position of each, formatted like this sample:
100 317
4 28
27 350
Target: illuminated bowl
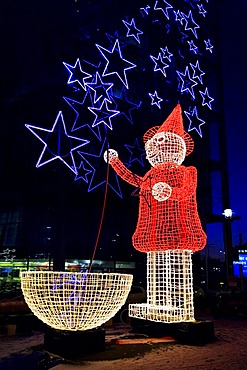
75 300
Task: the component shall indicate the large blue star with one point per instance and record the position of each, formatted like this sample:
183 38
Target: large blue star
195 121
58 144
103 115
132 30
77 74
164 6
114 60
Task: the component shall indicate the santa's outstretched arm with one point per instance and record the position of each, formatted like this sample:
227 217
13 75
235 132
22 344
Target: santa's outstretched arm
111 156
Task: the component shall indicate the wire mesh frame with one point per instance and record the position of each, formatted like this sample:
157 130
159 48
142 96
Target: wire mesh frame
169 288
75 301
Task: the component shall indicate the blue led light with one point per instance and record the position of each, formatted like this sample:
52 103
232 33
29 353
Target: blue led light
57 143
156 100
187 82
190 24
201 10
124 106
209 46
114 57
163 5
193 47
77 74
136 153
166 54
103 115
160 65
133 30
206 99
197 72
195 121
100 89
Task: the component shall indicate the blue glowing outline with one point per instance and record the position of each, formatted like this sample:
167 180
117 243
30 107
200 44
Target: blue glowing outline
146 10
160 65
192 114
197 72
155 99
186 74
159 7
97 120
113 39
124 98
132 26
201 10
75 67
189 18
59 119
209 46
141 151
193 47
179 16
92 186
207 100
86 171
72 103
116 49
100 85
166 53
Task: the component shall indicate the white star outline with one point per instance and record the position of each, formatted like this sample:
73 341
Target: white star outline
207 100
116 47
58 118
70 79
96 83
196 68
97 122
192 114
159 7
160 65
187 89
156 100
190 17
133 26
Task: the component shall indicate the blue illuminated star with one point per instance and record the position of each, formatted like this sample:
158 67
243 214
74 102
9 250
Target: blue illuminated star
195 121
100 89
166 53
164 6
193 47
99 174
197 72
132 30
207 100
136 153
77 74
58 144
124 106
115 59
179 17
103 115
187 82
209 46
160 65
84 170
155 99
190 23
84 117
201 10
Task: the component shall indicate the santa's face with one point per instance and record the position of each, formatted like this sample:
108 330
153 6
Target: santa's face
165 147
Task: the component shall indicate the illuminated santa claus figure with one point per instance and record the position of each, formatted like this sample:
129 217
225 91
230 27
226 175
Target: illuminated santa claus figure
168 228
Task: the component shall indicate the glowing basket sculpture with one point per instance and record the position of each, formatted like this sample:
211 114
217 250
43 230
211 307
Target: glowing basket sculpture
75 301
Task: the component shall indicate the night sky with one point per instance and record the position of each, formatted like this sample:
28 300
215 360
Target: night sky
36 38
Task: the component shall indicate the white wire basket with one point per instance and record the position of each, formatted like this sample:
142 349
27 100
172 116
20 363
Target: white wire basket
75 300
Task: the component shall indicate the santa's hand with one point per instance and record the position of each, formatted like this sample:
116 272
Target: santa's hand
161 191
109 154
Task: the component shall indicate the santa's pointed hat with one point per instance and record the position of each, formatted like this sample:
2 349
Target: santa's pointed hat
173 123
